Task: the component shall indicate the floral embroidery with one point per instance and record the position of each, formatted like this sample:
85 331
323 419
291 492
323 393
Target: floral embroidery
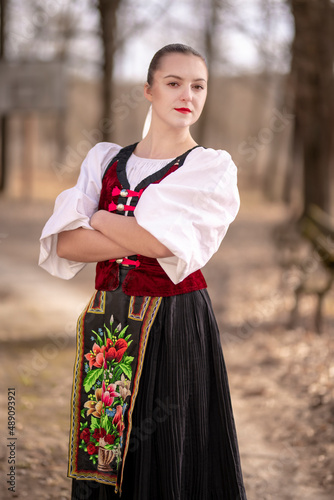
107 384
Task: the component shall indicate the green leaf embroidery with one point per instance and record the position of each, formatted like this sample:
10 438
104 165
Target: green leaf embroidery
118 401
122 333
109 446
108 332
108 426
83 426
91 378
126 369
98 339
95 424
106 423
116 375
104 420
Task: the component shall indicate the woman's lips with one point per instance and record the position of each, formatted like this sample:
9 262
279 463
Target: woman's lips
183 110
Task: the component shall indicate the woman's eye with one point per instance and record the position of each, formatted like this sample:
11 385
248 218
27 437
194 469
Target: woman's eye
173 84
198 87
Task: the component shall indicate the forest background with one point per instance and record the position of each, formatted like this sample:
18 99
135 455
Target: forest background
270 105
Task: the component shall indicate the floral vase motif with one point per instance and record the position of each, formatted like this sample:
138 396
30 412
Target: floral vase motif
105 457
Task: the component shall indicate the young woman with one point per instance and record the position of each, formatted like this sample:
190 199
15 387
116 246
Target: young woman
151 414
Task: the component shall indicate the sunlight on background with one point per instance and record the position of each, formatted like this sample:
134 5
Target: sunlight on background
246 30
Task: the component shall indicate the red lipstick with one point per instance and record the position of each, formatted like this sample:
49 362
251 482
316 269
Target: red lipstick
183 110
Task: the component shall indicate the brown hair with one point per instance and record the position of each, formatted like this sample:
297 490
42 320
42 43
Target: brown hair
172 48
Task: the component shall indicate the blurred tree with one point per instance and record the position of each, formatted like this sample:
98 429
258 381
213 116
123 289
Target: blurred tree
134 20
3 118
256 28
312 74
108 22
94 35
273 87
212 19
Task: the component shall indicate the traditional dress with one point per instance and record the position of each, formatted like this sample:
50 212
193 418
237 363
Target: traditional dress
151 413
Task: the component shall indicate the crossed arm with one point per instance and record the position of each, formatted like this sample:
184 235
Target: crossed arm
112 237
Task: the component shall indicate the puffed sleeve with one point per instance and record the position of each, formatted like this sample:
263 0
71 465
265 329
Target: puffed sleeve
190 210
74 208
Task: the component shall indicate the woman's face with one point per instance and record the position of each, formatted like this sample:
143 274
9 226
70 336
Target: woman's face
178 91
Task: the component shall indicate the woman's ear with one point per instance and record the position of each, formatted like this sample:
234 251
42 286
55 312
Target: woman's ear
148 92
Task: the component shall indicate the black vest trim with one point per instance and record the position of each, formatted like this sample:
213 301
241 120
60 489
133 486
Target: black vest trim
124 154
163 171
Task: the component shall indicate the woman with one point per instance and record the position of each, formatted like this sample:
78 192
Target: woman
151 415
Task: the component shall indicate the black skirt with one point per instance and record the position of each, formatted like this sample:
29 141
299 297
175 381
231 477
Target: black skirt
183 443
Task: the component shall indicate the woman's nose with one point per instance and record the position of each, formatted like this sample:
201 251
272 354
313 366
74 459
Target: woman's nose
186 94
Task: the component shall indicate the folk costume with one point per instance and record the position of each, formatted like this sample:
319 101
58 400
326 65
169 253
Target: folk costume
151 412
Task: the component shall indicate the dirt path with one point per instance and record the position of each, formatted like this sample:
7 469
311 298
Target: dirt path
281 380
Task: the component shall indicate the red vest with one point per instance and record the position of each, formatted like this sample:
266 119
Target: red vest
146 277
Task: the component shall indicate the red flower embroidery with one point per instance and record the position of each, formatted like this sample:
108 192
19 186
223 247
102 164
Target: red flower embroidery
109 439
118 415
91 448
85 435
99 433
100 355
97 357
120 427
119 355
96 434
109 395
111 353
121 344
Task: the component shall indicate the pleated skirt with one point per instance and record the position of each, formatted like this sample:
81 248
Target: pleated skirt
183 443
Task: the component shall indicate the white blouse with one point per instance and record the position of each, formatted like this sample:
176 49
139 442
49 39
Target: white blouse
189 211
138 168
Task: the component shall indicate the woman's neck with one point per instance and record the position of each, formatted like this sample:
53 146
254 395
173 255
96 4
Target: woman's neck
170 145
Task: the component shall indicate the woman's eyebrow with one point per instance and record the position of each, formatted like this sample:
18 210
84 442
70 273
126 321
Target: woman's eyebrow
180 78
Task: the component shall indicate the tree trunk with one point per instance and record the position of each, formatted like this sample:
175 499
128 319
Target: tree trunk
108 22
213 8
3 118
313 59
